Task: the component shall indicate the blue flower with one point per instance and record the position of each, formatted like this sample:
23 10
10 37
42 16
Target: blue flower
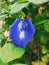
21 32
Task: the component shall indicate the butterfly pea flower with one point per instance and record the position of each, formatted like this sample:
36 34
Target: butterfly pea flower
21 32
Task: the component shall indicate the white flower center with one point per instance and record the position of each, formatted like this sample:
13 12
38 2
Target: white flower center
20 25
22 34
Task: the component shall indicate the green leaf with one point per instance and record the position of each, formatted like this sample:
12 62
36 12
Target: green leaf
10 52
45 59
44 38
44 50
39 19
38 63
22 1
46 25
17 7
1 30
38 1
2 17
19 64
1 36
42 63
4 9
38 34
1 63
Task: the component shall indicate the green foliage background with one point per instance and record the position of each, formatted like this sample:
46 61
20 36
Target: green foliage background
37 51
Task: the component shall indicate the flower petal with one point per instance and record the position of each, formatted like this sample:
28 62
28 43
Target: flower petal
21 32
